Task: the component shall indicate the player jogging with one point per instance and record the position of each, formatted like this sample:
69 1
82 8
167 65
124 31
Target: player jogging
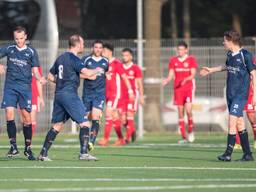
182 69
22 60
130 107
240 68
114 78
66 74
94 90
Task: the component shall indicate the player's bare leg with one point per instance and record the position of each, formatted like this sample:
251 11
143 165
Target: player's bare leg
188 107
11 130
182 124
252 118
33 121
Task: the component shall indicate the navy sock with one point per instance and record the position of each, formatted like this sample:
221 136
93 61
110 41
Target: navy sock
230 144
50 137
84 139
11 130
245 141
27 132
94 130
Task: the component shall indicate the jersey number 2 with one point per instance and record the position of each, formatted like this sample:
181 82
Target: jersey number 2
60 71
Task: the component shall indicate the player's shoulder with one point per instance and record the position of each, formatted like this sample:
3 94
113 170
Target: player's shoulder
86 58
9 46
104 59
191 57
31 49
245 52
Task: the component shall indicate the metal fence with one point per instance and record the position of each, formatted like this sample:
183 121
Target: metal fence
210 90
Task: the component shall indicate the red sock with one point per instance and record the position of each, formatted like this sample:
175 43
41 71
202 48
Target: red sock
33 128
190 124
108 127
237 138
182 128
130 129
254 131
117 126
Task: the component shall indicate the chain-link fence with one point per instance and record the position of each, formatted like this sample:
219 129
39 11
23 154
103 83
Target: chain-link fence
209 107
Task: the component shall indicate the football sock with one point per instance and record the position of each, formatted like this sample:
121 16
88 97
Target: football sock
237 138
50 137
130 128
117 125
230 144
108 127
245 141
190 124
11 130
94 130
254 131
27 132
182 128
84 139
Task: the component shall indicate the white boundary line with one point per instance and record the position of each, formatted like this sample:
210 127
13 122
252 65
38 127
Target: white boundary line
128 180
137 188
127 168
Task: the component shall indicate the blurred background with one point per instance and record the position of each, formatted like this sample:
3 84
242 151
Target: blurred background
152 29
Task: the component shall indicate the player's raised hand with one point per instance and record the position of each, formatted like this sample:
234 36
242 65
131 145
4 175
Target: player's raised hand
2 69
205 71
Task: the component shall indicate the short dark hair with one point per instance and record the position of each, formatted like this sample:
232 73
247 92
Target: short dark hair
182 44
73 40
20 29
109 46
128 50
234 36
97 42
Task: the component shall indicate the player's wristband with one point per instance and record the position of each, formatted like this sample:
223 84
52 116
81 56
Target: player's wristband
130 91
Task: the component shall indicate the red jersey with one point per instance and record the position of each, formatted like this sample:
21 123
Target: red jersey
182 69
34 88
113 79
132 72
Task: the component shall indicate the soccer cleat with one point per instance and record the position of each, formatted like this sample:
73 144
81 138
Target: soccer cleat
119 142
13 152
28 153
90 146
183 141
247 157
103 142
237 146
87 157
224 157
191 137
43 158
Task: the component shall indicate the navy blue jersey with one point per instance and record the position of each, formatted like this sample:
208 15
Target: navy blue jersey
67 68
239 67
98 85
19 64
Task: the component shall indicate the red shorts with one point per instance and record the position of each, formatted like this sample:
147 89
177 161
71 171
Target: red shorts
112 102
127 105
182 97
249 104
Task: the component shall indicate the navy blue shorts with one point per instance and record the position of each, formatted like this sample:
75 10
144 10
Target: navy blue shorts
236 106
13 97
67 106
94 101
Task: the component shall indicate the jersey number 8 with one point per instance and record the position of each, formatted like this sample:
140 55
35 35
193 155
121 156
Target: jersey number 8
60 71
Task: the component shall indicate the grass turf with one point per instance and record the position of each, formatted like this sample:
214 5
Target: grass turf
155 163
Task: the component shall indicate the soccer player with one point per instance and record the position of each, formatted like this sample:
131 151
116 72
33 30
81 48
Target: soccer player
94 90
114 78
182 69
130 107
239 67
66 73
22 60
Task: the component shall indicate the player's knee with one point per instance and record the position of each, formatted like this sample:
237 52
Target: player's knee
240 125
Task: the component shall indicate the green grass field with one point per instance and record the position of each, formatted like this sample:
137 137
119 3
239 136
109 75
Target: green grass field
155 163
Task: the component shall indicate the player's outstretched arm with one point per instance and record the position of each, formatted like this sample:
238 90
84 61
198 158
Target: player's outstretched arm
209 70
169 78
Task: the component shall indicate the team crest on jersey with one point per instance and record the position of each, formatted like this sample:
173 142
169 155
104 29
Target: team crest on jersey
89 63
26 54
131 72
185 64
104 64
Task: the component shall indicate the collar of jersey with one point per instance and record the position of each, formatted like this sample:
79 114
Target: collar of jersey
21 49
96 58
128 66
235 53
183 59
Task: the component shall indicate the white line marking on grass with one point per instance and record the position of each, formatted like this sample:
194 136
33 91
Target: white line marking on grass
128 180
145 168
137 188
